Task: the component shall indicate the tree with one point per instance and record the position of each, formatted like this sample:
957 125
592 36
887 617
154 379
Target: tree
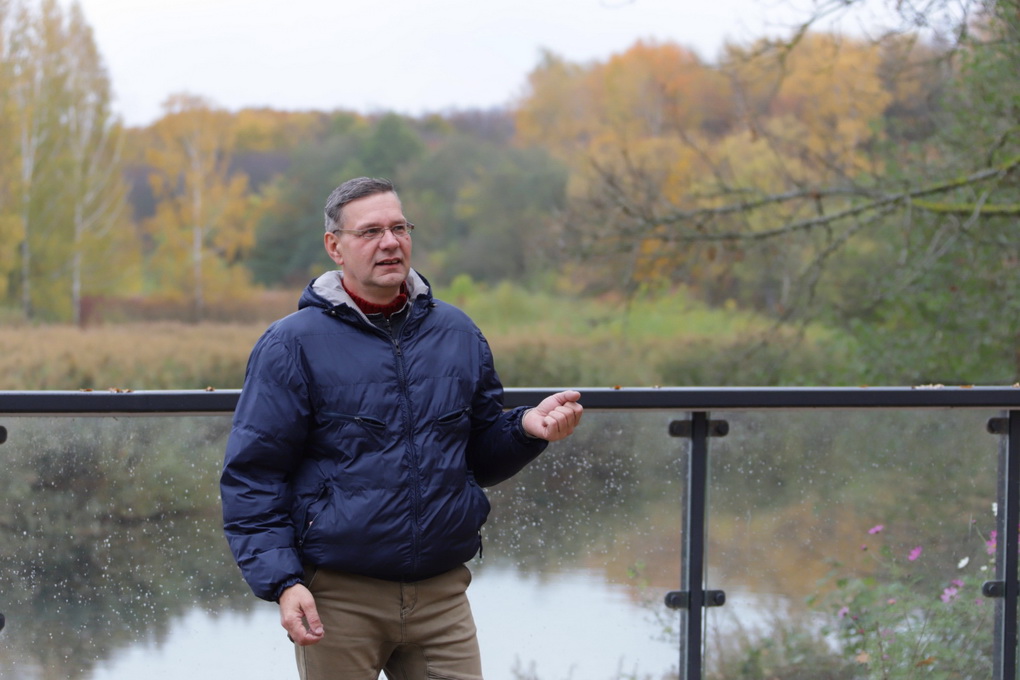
351 146
952 311
294 204
827 94
821 206
11 226
391 144
39 73
204 218
555 110
97 190
508 207
59 164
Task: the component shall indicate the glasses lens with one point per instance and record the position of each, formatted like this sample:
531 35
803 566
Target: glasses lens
373 233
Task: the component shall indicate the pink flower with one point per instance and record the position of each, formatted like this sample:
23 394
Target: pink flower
914 554
957 582
990 543
843 611
877 529
891 600
949 594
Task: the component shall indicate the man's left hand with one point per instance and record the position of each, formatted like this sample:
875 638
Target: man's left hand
554 418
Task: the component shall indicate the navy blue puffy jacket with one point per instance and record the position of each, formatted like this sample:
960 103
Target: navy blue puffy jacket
361 452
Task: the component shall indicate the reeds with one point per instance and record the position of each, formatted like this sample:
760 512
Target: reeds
135 356
538 340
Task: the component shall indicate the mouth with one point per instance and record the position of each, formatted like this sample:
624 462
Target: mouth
394 262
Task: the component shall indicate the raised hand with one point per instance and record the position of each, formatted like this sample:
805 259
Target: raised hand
555 417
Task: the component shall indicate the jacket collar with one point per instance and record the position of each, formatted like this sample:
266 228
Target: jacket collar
327 291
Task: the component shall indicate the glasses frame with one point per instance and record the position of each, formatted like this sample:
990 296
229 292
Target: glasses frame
375 233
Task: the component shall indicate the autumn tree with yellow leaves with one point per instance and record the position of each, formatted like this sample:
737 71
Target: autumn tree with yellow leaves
204 219
866 184
867 187
11 228
62 217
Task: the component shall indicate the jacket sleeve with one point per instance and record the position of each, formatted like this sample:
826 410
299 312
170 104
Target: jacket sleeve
498 448
264 447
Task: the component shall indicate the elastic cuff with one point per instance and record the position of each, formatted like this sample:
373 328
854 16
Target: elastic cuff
521 423
286 584
523 434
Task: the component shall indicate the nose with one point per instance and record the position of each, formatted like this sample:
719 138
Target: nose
388 239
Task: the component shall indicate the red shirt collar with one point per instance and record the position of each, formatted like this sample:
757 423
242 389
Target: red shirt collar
386 310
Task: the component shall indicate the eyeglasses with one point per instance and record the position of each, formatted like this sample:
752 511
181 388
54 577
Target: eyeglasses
372 233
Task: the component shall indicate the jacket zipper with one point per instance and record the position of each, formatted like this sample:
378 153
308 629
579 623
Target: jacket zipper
307 523
415 466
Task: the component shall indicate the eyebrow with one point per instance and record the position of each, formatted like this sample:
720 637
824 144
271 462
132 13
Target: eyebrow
372 225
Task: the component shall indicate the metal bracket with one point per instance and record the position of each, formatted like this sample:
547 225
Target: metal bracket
993 589
998 426
684 428
681 599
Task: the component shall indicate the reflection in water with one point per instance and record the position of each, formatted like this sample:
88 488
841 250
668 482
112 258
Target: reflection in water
569 626
859 521
109 531
247 645
113 563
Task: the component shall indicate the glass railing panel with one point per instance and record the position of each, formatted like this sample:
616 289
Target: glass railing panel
113 564
579 551
852 544
110 542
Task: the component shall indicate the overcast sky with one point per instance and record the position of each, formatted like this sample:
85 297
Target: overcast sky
409 56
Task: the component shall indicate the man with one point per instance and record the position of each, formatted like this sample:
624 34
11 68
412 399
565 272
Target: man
368 421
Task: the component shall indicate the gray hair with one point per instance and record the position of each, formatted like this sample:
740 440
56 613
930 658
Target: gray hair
352 190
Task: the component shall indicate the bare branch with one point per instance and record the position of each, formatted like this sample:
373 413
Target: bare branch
879 202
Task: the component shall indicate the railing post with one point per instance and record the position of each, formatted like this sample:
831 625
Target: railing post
1007 556
693 599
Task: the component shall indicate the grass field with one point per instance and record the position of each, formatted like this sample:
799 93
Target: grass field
539 339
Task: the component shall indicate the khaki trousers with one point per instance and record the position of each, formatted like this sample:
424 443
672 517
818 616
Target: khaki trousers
410 631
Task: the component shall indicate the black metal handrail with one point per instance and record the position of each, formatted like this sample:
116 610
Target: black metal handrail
698 402
682 398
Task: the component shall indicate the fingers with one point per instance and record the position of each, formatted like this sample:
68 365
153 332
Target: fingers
299 616
571 395
559 399
563 419
561 413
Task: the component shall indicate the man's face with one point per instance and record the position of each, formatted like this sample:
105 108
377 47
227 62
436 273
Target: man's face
373 269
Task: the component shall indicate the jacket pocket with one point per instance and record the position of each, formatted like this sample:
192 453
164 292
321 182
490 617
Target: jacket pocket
453 425
312 512
354 434
361 421
452 417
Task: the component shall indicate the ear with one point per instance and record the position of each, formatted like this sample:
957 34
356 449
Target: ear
332 243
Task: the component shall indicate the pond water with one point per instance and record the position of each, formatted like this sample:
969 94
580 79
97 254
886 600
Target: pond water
569 626
113 564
